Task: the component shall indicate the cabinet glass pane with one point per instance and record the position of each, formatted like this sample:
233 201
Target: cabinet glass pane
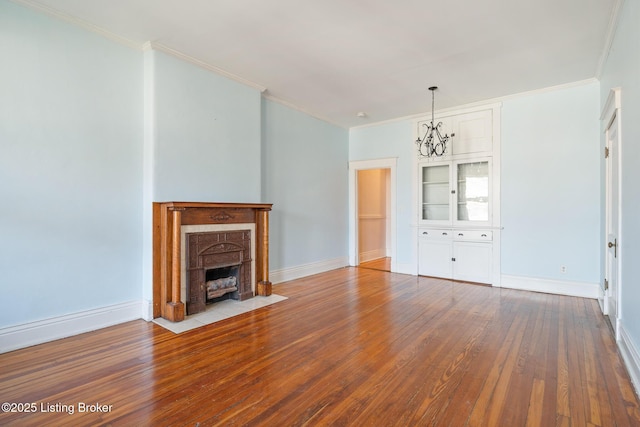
435 192
473 191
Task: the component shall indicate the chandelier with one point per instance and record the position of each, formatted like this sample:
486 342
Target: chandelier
428 146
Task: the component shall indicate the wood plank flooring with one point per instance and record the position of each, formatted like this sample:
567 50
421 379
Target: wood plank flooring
383 264
351 347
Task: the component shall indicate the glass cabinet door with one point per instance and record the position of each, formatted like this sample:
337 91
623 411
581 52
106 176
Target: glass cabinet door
435 193
473 191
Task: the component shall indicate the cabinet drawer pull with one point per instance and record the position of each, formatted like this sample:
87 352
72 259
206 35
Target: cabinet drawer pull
483 235
460 234
424 232
445 234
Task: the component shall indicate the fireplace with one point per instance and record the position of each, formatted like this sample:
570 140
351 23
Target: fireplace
218 266
219 283
232 236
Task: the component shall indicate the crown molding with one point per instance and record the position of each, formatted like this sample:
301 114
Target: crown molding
78 22
151 45
33 5
611 104
270 97
612 28
488 103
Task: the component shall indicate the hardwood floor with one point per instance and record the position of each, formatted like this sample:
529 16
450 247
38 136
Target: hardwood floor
351 347
383 264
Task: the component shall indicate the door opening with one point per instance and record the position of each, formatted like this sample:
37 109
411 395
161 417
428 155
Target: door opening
382 171
374 251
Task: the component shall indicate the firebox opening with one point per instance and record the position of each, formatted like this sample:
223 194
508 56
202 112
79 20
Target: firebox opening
222 284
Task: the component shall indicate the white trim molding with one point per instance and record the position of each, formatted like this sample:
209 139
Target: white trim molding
549 286
199 63
479 105
147 310
631 357
270 97
54 13
612 28
292 273
611 105
373 254
390 163
41 331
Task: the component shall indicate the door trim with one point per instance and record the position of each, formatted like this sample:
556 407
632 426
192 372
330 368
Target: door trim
611 112
354 167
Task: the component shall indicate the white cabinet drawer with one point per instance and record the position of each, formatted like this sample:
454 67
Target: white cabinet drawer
437 233
476 235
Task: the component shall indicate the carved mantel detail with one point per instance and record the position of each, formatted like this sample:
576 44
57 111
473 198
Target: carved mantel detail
168 217
222 216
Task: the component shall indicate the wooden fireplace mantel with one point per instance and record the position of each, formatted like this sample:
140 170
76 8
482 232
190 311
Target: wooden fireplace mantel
168 217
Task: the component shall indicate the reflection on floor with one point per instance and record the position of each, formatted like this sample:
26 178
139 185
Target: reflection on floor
383 264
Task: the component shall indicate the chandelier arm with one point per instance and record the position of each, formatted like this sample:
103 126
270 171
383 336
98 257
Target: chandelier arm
427 143
440 137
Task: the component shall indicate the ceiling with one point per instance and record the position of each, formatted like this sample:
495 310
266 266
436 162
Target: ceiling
335 58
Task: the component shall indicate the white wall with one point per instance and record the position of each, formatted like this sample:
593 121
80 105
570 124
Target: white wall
393 140
207 135
550 180
550 204
70 168
305 177
92 132
622 70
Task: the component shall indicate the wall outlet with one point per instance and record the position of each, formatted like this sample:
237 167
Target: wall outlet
563 269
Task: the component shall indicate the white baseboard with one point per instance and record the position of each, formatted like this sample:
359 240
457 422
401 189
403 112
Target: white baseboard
371 255
32 333
147 310
559 287
411 269
602 302
292 273
631 357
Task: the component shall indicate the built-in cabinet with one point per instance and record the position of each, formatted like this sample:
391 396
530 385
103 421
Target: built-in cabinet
459 254
456 192
458 200
471 132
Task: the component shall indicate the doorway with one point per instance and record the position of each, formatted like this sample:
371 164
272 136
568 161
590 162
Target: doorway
374 251
372 208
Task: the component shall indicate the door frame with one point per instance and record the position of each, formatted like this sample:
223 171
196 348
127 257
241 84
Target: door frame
611 114
354 167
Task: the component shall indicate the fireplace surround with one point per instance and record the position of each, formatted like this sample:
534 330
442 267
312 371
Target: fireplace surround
217 263
172 221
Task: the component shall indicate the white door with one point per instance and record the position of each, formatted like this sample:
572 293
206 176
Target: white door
473 132
435 254
612 223
472 262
